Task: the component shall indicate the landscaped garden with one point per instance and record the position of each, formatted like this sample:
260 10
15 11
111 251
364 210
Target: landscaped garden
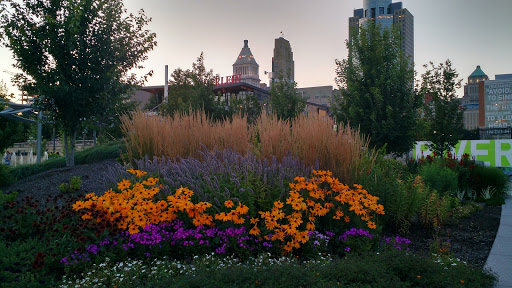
227 204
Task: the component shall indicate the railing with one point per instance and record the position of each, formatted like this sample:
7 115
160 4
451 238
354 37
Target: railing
24 153
24 158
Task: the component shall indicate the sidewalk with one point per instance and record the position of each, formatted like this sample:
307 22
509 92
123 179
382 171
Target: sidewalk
500 257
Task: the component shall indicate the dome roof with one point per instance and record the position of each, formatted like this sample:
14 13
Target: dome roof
477 73
245 56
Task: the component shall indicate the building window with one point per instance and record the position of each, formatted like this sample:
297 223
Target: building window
381 10
366 13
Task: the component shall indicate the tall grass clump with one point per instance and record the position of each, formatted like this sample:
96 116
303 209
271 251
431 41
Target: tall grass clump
181 135
313 139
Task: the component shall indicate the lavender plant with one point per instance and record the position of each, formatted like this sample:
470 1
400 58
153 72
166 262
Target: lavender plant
223 175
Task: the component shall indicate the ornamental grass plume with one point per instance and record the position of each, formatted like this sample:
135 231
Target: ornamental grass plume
181 135
313 140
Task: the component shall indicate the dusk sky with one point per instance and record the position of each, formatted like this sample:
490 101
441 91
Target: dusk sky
468 32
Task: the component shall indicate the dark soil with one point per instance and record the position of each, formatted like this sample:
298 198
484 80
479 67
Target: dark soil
471 238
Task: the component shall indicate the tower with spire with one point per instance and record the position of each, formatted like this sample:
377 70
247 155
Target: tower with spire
246 66
471 99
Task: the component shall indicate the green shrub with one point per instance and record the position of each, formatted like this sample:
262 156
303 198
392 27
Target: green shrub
90 155
73 186
409 197
439 178
7 197
387 269
492 178
436 209
381 178
5 175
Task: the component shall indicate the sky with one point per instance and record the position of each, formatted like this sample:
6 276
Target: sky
468 32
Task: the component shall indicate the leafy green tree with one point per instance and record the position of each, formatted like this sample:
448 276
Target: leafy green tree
10 131
442 107
76 56
377 94
190 90
284 100
247 106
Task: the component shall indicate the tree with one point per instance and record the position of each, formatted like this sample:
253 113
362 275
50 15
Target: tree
10 130
76 56
284 100
247 106
193 90
442 108
377 94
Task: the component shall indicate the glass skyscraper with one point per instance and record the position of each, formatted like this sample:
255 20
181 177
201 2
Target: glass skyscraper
386 14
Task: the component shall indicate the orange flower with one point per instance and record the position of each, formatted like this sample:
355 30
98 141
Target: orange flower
278 204
229 204
371 225
123 185
254 231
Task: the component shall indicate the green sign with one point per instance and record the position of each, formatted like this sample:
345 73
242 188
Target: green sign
491 152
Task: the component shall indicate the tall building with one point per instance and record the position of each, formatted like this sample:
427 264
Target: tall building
282 62
386 14
470 101
246 66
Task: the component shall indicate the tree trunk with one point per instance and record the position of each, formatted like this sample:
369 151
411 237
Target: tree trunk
66 148
70 148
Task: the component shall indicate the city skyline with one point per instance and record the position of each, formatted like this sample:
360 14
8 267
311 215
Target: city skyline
468 32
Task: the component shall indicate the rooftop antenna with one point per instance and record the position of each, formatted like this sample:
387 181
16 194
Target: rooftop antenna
166 84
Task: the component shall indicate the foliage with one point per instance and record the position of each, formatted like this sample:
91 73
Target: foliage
191 90
5 175
472 178
10 130
388 269
248 106
7 197
76 57
71 187
284 100
376 83
34 238
439 178
442 107
436 210
490 178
